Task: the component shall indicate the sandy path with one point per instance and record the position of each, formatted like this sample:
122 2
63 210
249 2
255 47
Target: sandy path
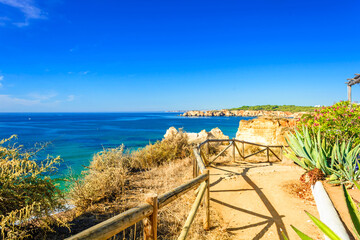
254 204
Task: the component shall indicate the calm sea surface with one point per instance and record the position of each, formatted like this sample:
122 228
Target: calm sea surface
77 136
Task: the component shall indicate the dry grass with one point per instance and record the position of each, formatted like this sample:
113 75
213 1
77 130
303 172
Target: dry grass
105 178
117 180
171 217
169 149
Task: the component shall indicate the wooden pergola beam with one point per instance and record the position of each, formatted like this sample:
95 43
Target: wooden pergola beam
351 82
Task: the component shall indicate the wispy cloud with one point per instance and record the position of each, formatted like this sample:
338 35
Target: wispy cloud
1 78
27 7
32 101
43 97
70 98
8 100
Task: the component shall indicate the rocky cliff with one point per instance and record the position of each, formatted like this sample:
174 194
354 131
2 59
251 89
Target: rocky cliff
265 130
242 113
195 138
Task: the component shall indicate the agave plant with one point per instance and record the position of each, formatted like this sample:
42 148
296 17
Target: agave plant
354 214
314 152
344 163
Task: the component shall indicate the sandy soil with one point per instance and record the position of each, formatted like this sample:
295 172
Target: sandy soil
255 204
337 197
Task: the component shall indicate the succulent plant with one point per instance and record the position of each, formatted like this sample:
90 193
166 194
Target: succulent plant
313 152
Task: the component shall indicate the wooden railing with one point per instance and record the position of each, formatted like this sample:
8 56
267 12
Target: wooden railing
147 212
204 147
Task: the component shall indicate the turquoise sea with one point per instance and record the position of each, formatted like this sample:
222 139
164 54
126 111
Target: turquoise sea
77 136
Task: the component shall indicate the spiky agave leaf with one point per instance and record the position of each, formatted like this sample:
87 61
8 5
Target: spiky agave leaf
302 235
352 208
322 226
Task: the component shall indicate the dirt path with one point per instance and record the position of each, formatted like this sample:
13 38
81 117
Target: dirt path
252 200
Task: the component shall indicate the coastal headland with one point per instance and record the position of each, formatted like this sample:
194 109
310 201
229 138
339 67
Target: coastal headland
242 113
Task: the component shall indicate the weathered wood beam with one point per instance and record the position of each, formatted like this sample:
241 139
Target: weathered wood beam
349 92
120 222
181 190
275 154
150 223
207 202
200 162
220 153
193 212
114 225
255 153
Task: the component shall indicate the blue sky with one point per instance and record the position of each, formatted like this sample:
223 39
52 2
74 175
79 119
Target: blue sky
59 55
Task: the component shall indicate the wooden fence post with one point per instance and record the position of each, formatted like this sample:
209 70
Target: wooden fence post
194 167
243 150
267 154
207 202
208 150
233 149
150 223
281 153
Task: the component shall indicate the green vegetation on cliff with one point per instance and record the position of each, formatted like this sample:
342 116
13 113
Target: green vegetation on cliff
284 108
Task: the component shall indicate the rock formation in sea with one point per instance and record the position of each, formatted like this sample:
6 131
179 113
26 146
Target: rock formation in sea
195 138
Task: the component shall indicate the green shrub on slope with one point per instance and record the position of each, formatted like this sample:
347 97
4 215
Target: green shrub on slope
26 191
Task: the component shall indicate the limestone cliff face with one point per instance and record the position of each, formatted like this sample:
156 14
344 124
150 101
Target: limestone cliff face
195 138
265 130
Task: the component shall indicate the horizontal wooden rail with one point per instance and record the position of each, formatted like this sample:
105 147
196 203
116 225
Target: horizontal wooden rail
128 218
181 190
116 224
267 148
240 141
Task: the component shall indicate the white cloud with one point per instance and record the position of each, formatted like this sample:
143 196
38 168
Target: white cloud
27 7
43 97
33 101
70 98
7 100
1 78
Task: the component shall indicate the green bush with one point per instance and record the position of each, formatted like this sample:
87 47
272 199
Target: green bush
27 193
338 122
285 108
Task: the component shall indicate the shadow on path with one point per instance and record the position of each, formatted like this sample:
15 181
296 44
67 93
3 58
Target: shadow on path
275 218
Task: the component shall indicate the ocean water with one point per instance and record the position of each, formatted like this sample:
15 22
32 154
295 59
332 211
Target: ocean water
77 136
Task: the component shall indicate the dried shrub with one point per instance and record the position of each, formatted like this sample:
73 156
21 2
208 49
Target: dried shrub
104 179
27 193
311 177
174 147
